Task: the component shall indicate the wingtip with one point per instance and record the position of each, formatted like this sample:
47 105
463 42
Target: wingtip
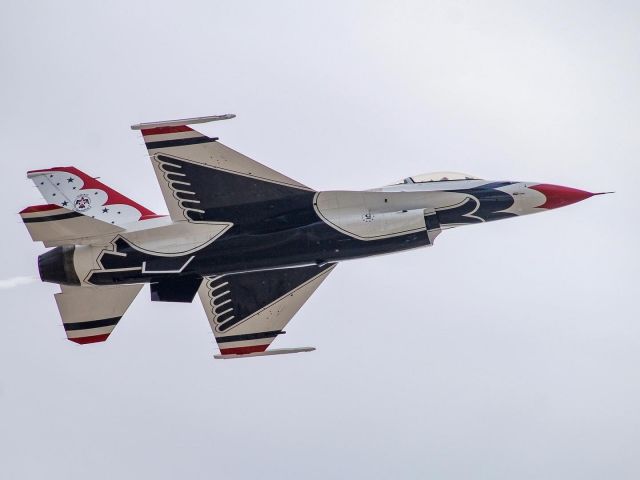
183 121
267 353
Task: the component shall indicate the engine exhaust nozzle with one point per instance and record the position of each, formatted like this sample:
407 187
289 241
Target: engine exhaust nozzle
56 266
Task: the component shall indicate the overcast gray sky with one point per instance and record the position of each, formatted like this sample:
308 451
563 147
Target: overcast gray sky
509 350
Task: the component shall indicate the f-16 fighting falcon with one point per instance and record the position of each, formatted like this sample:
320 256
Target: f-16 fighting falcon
251 242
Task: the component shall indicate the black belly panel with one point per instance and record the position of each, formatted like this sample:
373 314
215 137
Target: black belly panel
317 243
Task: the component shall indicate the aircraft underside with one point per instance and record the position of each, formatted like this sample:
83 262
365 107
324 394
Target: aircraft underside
253 243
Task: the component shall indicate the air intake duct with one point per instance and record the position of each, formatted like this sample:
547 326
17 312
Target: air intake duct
56 266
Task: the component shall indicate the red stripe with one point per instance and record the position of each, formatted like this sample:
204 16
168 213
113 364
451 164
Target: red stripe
40 208
149 217
91 339
161 130
243 350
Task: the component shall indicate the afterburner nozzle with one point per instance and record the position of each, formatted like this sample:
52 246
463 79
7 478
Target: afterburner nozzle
56 266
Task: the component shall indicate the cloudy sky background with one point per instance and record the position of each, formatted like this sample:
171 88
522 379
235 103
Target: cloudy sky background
509 350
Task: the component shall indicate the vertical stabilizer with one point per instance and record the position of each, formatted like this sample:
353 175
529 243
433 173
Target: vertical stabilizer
75 190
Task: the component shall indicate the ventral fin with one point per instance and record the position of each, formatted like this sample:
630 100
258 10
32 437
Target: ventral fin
179 289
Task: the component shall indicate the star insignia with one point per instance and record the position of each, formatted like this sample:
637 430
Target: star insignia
69 179
105 210
65 203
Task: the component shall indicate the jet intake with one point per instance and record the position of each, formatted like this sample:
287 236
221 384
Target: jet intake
432 222
56 266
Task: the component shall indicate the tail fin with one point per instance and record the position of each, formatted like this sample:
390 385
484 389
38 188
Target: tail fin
70 188
89 314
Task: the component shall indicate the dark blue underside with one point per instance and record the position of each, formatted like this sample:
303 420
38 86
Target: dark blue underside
274 226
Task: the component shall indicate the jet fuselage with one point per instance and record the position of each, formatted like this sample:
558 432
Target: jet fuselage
310 228
252 243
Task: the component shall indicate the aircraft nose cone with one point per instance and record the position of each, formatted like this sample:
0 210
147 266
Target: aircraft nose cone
558 196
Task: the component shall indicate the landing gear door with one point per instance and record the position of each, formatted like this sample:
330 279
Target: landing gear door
433 224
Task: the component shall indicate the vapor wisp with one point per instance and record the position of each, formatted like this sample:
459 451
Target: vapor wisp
14 282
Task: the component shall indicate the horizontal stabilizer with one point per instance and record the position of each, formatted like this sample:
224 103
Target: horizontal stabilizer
275 351
89 314
55 225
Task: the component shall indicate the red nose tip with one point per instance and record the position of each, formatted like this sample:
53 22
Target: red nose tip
558 196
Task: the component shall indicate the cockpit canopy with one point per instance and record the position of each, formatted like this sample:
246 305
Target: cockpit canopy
438 177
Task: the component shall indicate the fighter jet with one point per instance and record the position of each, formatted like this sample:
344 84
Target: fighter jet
253 243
